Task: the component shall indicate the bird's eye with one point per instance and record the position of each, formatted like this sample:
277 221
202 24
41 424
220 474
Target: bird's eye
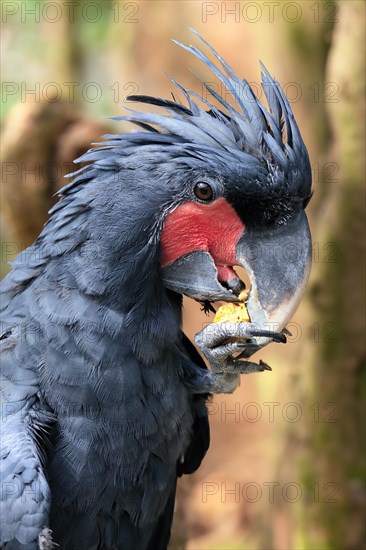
203 191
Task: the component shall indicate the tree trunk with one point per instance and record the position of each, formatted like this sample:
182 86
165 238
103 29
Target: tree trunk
338 447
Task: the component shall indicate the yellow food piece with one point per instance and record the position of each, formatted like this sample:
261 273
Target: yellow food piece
236 313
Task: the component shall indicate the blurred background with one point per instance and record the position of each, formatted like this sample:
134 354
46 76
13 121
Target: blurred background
286 467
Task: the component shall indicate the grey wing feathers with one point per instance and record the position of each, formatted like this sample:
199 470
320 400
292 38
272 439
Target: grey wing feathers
24 493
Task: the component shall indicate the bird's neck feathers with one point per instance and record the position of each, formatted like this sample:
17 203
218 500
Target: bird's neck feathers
118 261
100 241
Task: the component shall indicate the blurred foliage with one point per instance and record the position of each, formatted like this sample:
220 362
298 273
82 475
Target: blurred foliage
113 48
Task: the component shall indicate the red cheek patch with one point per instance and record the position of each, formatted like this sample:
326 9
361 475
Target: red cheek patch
214 227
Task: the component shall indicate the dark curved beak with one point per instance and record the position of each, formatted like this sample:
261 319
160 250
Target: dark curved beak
277 261
278 264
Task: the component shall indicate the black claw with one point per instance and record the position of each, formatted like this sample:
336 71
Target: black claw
206 307
247 345
264 365
286 331
276 336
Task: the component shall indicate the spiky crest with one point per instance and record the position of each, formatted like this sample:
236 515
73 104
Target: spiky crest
247 129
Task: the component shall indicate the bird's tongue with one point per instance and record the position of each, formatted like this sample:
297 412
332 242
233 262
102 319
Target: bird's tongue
225 273
229 279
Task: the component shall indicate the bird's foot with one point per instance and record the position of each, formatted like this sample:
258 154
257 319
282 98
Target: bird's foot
227 347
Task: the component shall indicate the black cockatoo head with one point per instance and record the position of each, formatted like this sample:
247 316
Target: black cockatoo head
245 182
231 185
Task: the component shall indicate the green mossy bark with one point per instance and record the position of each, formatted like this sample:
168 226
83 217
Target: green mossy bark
339 375
325 455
